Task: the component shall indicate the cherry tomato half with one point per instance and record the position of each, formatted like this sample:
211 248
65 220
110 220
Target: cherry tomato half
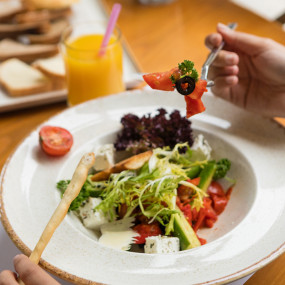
55 141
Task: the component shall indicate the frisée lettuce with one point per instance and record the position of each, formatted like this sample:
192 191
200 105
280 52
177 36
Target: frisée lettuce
153 195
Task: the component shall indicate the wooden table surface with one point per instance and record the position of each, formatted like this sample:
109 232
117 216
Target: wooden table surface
159 37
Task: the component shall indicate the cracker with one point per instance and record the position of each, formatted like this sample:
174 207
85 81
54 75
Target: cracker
132 163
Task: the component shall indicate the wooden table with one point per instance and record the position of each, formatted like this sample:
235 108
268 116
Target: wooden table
160 37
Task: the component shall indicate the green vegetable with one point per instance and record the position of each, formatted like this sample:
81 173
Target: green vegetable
194 171
182 229
223 166
89 188
153 188
187 68
206 175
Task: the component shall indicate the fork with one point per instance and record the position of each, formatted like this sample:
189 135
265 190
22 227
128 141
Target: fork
136 78
211 57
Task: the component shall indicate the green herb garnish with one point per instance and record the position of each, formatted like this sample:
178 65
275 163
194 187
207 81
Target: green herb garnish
187 68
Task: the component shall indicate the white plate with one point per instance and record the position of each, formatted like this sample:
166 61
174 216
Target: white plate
248 235
84 10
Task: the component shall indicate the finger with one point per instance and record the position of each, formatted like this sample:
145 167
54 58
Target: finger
8 277
224 82
213 40
222 71
31 273
223 87
225 58
243 42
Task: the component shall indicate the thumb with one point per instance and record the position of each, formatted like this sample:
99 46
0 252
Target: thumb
238 41
30 273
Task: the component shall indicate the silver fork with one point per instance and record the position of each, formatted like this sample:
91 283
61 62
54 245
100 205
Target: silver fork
136 78
211 57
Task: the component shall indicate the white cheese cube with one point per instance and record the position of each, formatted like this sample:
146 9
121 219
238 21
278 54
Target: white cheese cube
92 219
104 157
161 244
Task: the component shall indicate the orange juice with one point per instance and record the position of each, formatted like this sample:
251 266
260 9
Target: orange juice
90 75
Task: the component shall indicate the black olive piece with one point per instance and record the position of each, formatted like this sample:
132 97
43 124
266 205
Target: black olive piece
190 88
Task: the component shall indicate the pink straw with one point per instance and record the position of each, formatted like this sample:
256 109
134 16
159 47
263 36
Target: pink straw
111 25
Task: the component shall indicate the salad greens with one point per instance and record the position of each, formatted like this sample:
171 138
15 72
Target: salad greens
149 132
169 195
153 188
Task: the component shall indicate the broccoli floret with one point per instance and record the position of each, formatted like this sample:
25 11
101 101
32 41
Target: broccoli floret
223 166
88 189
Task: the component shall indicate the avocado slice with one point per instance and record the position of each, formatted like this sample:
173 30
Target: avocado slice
206 175
182 229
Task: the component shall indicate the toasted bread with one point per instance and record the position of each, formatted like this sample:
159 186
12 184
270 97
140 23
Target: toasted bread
53 68
8 9
52 36
132 163
12 30
27 53
48 4
42 15
20 79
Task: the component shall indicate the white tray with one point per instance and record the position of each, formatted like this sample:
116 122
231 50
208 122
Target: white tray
84 10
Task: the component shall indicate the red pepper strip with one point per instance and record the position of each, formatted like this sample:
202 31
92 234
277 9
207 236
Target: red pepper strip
202 240
201 217
186 210
229 192
193 106
209 223
194 181
200 89
218 196
146 230
161 80
215 188
220 203
194 215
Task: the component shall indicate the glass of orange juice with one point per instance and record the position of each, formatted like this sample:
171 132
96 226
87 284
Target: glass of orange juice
90 75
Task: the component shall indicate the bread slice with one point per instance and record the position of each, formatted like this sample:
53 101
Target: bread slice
20 79
27 53
42 15
52 36
52 66
12 30
48 4
54 69
8 9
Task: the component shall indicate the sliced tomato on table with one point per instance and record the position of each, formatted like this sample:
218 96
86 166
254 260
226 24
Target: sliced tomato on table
55 141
